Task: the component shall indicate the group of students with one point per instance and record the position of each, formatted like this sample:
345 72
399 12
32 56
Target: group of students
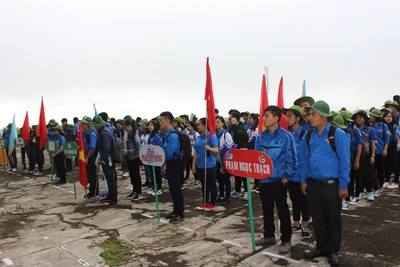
322 158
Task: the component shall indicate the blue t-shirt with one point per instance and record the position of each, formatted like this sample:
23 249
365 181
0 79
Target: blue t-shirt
382 137
355 137
172 145
200 151
92 140
60 140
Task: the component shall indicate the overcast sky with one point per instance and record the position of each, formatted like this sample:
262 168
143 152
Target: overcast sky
144 57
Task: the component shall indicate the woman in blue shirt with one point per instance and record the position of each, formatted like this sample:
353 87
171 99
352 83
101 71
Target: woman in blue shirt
155 139
392 156
59 156
206 146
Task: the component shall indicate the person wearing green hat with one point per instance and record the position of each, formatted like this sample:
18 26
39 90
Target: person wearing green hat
356 159
59 156
90 142
119 127
382 143
303 102
179 124
295 120
324 176
394 106
105 148
185 117
105 118
392 164
387 103
245 117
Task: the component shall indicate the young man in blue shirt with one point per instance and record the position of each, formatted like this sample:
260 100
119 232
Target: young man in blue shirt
279 144
90 142
172 153
324 177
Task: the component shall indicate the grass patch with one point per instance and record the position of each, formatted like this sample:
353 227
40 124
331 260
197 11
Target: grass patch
114 254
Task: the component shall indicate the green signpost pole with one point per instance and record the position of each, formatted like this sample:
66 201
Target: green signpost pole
253 241
73 176
52 171
156 191
71 150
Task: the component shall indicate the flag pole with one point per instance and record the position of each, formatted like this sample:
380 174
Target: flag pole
205 166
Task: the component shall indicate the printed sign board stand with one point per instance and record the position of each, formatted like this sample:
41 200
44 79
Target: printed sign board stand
52 146
155 157
3 145
19 142
71 150
251 164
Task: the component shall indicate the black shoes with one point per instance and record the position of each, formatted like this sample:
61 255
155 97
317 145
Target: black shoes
177 219
314 253
171 216
129 196
333 259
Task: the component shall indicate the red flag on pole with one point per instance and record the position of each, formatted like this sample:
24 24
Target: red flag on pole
25 133
263 103
209 97
283 122
41 130
82 164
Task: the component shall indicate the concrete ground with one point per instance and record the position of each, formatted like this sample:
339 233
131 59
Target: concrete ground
41 225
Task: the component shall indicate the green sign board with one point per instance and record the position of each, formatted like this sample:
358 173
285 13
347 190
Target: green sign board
70 149
3 143
51 146
19 142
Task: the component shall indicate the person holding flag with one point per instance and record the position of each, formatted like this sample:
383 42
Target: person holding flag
90 142
10 135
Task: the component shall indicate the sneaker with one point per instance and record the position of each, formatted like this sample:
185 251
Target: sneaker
129 196
236 194
354 201
377 193
37 173
345 206
245 196
120 173
125 175
285 247
177 219
257 190
165 181
151 191
129 187
105 200
171 216
201 207
210 207
89 196
112 203
182 187
253 189
136 197
14 170
393 186
305 232
385 185
29 171
10 169
363 195
197 182
159 192
295 229
371 196
266 241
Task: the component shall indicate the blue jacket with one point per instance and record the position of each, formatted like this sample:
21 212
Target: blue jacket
395 136
155 140
382 136
172 145
92 140
307 126
133 144
318 160
201 151
110 127
280 147
105 144
296 177
356 139
6 135
225 142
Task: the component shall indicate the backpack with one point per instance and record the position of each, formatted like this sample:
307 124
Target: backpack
302 132
365 138
240 136
185 152
331 137
117 153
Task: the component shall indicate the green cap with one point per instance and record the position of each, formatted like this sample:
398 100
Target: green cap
185 115
128 117
394 103
180 121
339 122
158 118
362 113
346 115
9 125
98 121
120 121
53 122
143 123
34 127
246 112
322 108
376 113
296 110
59 128
334 113
307 99
194 116
387 102
343 109
86 120
387 109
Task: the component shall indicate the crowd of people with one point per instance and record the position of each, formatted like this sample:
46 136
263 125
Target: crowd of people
326 160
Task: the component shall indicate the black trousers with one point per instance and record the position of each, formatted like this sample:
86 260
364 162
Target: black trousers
91 173
157 171
392 165
325 207
174 182
299 202
24 152
134 173
224 183
366 175
111 181
238 184
270 194
31 156
355 175
211 184
380 165
13 159
59 162
39 158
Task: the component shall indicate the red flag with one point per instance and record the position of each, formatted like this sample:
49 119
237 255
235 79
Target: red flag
25 134
283 122
82 164
41 130
209 97
263 104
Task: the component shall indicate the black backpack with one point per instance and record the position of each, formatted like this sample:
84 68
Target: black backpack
240 136
365 138
331 138
185 152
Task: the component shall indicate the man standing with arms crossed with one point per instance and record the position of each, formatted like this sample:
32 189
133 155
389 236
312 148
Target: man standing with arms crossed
324 176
